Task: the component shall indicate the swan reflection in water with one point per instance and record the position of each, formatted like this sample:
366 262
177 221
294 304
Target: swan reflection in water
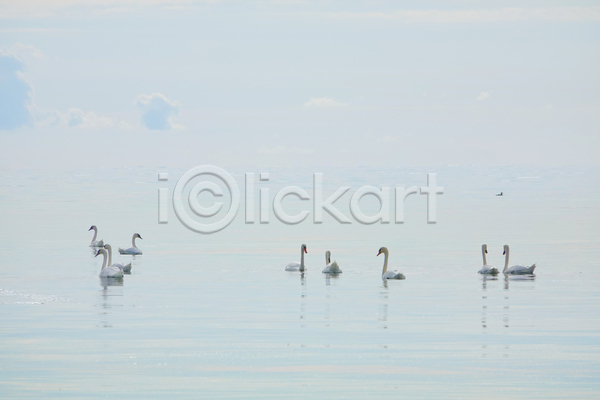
517 278
108 296
329 277
106 282
302 300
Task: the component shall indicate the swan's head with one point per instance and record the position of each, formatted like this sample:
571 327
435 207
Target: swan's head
383 250
101 251
484 248
303 247
328 256
107 247
137 235
505 249
92 228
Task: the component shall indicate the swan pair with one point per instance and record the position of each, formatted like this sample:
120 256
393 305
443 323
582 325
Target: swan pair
100 243
514 270
108 270
334 268
330 267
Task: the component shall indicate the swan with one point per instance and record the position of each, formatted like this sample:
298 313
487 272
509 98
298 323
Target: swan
515 269
500 194
132 250
388 274
122 267
95 243
294 266
108 271
487 269
331 267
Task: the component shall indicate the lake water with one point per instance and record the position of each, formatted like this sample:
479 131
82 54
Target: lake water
216 316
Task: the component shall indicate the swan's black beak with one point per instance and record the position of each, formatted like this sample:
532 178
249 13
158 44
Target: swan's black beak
379 253
485 251
91 227
504 253
140 237
98 252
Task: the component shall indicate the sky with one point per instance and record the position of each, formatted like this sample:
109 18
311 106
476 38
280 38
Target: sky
85 84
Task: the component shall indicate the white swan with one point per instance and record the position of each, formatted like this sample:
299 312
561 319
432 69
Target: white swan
515 269
331 267
132 250
122 267
95 243
388 274
108 271
294 266
487 269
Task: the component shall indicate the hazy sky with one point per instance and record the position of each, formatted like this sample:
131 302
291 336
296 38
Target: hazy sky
284 83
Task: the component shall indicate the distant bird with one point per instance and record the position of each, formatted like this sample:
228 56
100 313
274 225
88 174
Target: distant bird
500 194
132 250
95 243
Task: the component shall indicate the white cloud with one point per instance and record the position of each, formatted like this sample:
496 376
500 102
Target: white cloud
324 102
23 51
483 96
77 118
15 93
17 106
158 111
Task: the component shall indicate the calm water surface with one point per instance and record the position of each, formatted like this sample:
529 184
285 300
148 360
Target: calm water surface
215 316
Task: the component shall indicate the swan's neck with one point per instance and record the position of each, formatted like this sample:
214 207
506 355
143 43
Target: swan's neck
385 262
327 259
95 234
301 259
506 259
133 241
484 257
109 250
104 260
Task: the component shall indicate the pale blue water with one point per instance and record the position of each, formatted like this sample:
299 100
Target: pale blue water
215 316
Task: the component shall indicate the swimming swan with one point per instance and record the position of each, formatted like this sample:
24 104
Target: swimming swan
487 269
111 271
515 269
331 267
388 274
294 266
132 250
95 243
122 267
